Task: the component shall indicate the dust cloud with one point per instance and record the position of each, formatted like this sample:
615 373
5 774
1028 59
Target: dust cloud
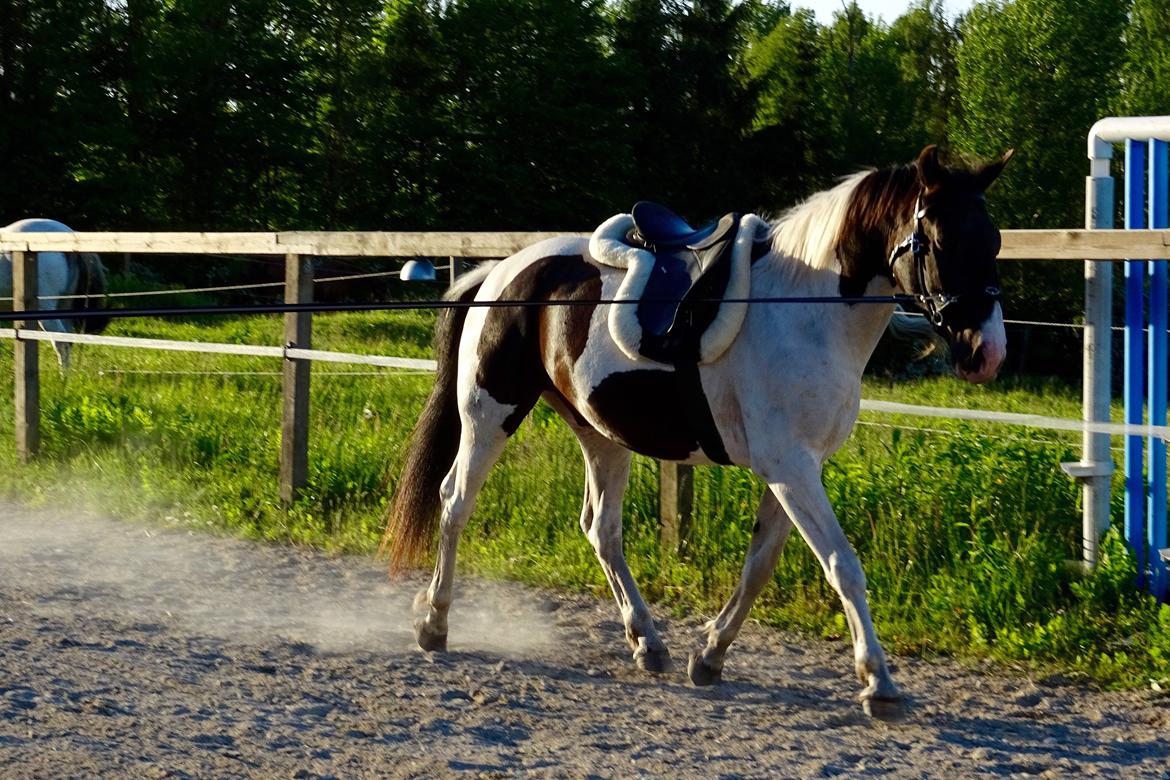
239 590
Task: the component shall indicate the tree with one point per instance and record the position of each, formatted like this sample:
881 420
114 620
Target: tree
1145 73
870 107
536 134
925 42
1035 75
689 102
790 122
60 122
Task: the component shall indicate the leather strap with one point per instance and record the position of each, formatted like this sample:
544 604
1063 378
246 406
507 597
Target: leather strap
699 410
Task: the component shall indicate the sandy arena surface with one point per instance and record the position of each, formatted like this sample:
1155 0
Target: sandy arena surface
137 652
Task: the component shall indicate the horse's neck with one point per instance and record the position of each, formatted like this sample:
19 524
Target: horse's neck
848 332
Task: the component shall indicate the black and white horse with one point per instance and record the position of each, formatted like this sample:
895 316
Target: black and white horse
783 394
60 274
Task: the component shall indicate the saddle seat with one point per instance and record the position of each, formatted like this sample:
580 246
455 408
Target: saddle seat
679 276
657 225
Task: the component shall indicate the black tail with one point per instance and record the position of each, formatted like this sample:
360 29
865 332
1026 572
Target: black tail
413 518
91 281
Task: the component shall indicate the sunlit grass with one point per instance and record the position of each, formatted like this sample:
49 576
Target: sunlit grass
964 529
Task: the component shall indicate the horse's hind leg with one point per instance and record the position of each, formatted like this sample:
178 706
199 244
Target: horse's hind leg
481 442
607 470
768 536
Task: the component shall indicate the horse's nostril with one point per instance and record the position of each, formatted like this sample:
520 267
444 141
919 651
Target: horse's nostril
975 361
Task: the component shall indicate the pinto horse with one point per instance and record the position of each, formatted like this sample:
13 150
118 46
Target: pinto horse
783 396
59 274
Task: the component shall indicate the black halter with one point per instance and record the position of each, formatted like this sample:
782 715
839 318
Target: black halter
918 245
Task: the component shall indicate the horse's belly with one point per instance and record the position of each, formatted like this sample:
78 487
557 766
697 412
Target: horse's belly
651 411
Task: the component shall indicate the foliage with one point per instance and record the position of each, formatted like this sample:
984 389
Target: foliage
1145 74
1034 75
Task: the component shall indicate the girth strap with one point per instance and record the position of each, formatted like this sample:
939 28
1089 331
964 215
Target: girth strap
699 412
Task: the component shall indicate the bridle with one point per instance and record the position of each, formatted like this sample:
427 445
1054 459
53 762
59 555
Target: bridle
918 245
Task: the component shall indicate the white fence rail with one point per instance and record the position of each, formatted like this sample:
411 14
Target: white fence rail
299 247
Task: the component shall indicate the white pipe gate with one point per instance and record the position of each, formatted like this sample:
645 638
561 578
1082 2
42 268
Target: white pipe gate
1145 532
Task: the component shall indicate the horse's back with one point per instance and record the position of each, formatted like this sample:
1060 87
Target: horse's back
38 225
53 271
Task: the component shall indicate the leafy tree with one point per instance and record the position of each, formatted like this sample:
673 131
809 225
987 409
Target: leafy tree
60 124
408 104
925 42
790 122
1145 73
870 107
689 102
535 115
1035 75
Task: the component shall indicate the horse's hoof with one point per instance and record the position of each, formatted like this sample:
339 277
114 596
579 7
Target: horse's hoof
656 661
701 672
888 708
428 639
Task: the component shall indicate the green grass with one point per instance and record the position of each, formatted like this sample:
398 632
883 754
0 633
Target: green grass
964 529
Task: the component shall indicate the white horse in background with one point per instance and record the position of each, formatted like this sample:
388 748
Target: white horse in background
58 274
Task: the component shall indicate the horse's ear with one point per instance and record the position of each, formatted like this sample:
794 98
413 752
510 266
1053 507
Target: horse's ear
930 171
990 172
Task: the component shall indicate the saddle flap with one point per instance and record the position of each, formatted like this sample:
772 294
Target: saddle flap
696 270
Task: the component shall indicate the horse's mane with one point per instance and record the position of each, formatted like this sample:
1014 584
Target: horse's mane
813 233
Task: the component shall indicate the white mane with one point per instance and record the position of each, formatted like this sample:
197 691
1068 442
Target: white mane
807 232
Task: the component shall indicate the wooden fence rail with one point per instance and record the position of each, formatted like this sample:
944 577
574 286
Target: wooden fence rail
299 247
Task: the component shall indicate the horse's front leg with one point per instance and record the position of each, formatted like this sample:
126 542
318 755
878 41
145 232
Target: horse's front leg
798 487
768 536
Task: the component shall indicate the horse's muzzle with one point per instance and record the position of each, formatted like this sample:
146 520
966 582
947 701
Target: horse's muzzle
980 354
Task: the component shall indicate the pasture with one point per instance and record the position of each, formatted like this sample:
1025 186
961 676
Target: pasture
963 529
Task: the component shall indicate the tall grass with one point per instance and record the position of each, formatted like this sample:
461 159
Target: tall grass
964 530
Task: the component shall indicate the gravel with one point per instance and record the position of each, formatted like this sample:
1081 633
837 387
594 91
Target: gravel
128 650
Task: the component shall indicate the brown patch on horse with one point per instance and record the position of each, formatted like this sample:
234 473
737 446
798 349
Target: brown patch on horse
863 241
564 330
511 368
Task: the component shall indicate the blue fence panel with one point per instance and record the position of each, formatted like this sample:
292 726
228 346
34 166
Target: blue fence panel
1147 168
1158 218
1135 386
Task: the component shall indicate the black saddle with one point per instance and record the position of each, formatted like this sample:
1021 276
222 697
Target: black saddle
691 271
656 224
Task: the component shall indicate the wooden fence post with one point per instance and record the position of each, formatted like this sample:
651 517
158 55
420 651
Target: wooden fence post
27 380
458 267
676 485
298 332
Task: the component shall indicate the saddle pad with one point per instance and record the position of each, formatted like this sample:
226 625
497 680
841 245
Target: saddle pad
669 317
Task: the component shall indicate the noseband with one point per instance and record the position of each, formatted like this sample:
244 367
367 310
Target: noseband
918 245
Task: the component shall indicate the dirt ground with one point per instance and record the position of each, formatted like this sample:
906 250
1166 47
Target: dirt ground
133 651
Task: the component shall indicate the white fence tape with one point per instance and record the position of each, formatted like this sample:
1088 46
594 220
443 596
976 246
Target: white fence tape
382 361
1015 418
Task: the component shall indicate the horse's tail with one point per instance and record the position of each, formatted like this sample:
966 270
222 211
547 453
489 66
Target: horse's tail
92 282
413 517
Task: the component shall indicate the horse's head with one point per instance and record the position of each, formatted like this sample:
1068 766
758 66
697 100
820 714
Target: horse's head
947 259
